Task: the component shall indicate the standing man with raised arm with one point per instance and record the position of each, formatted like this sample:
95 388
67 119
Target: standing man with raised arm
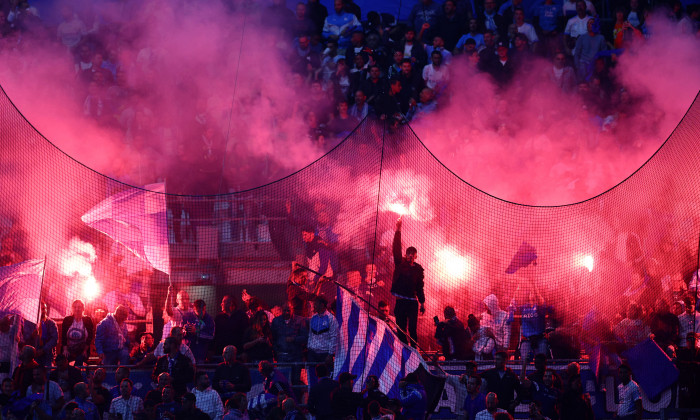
173 315
407 287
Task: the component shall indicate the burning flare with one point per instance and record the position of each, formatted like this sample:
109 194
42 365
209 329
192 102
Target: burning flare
453 264
76 262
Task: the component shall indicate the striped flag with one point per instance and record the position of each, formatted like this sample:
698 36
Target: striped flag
368 347
136 218
20 289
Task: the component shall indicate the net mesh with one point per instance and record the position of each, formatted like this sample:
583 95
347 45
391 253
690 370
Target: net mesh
635 243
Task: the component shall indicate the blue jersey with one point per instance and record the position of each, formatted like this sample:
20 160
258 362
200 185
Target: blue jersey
549 15
533 319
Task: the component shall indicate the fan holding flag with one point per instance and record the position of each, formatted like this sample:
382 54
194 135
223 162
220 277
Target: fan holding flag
365 346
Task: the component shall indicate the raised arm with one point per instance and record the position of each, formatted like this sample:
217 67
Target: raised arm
396 248
168 309
538 295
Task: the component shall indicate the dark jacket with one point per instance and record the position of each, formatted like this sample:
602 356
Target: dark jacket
345 402
486 58
181 373
450 29
417 52
454 339
392 106
46 341
296 327
413 84
503 73
228 330
317 13
504 387
237 374
408 279
374 90
501 24
576 406
320 398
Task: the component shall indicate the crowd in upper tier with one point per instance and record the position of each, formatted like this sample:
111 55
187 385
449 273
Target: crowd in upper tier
342 67
397 71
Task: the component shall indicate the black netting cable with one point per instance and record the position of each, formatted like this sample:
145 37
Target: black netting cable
170 255
398 13
376 213
233 100
695 297
376 222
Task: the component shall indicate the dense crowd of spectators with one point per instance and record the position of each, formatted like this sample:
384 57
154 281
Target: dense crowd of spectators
304 332
344 68
351 69
674 328
183 388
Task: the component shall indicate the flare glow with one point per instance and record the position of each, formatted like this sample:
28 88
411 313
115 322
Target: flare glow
587 261
453 264
76 262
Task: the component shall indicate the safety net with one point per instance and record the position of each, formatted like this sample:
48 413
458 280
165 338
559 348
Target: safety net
71 233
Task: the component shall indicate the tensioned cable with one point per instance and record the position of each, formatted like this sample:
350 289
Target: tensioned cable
233 100
656 152
695 296
376 227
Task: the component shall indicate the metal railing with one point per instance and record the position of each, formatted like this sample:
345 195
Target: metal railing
237 219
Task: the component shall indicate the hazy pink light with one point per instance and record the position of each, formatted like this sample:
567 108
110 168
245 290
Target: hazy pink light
453 264
398 208
587 261
91 289
77 262
78 259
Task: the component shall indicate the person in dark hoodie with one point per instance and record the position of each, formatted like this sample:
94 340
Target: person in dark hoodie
407 287
320 394
413 398
344 400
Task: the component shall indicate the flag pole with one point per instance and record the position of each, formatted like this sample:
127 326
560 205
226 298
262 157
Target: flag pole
170 263
370 305
41 287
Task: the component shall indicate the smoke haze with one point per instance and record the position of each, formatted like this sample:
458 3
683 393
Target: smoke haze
532 144
194 72
202 81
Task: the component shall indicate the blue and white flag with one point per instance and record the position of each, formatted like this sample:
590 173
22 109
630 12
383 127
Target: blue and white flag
136 218
20 289
367 346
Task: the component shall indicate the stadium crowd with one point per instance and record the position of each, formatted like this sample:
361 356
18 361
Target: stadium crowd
351 69
303 335
344 68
